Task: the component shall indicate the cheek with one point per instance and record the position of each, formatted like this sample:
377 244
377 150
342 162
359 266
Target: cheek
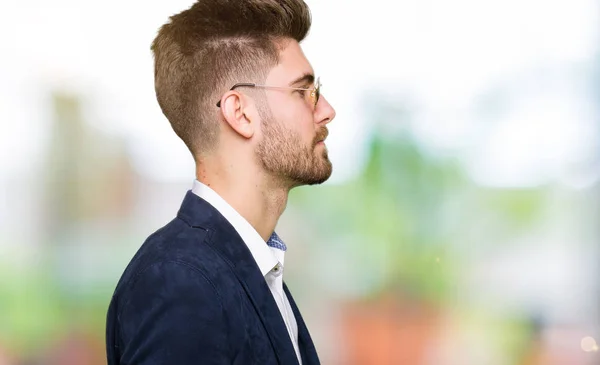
297 119
302 124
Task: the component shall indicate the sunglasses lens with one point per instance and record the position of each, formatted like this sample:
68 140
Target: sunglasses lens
317 91
318 94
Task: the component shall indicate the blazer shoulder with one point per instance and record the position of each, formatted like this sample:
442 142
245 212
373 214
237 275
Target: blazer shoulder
176 242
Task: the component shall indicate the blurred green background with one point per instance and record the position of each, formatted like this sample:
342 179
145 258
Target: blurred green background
461 224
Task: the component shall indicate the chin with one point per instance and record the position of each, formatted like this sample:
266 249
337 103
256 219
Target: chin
316 177
322 176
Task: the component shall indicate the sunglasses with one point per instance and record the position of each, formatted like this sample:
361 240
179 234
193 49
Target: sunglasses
314 93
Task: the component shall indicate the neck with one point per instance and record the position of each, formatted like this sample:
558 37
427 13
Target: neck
260 200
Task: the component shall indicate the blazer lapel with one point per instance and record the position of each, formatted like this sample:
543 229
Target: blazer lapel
307 347
227 242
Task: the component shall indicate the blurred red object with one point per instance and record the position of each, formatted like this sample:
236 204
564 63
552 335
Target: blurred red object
389 331
76 349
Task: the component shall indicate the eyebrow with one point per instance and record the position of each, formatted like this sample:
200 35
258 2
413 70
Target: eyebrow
306 78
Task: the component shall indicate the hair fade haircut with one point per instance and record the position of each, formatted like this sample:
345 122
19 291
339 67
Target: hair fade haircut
200 52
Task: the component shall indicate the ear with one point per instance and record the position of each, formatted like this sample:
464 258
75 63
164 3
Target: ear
239 112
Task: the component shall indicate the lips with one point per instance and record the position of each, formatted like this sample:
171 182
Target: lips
321 135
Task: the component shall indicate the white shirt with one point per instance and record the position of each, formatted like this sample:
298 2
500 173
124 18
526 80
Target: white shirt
269 259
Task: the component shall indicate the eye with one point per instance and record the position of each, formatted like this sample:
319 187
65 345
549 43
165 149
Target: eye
301 94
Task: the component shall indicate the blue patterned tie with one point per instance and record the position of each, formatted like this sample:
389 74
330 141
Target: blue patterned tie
276 242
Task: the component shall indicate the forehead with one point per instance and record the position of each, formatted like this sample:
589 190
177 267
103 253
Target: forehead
292 64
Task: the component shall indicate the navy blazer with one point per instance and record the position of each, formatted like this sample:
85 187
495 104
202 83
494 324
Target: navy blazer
193 294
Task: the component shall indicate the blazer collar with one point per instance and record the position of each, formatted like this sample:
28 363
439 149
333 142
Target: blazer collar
262 254
229 245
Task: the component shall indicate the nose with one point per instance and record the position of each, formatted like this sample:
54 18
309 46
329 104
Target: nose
324 112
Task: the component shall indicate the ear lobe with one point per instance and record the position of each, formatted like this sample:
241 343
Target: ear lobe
236 109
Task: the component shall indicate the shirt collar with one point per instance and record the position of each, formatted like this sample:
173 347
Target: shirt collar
262 253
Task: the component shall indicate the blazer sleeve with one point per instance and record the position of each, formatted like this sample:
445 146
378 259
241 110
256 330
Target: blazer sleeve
173 315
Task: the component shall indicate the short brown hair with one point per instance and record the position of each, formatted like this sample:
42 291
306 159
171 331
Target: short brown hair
204 50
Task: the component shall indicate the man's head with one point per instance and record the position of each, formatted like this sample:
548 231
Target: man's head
204 51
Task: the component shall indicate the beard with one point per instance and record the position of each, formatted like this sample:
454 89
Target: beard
283 154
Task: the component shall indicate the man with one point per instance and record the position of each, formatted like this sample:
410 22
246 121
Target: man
207 288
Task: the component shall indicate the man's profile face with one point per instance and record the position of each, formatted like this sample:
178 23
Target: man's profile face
292 125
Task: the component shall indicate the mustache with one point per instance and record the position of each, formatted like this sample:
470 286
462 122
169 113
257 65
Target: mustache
322 133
